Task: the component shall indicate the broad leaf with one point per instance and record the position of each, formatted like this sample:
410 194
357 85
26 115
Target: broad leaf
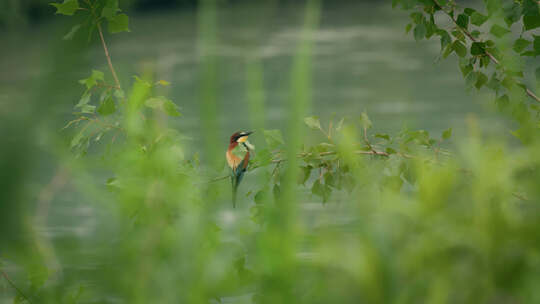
447 134
273 138
459 48
521 44
478 19
420 32
531 22
68 7
93 79
164 104
119 23
365 121
498 31
313 122
107 107
463 21
110 9
478 48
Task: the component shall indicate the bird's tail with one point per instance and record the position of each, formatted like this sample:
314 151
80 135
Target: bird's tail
234 190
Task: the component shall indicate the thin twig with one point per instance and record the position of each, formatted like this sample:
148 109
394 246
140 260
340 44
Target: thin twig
4 274
491 57
108 56
217 179
521 197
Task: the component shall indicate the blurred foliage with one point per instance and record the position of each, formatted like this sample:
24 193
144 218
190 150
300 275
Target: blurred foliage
401 218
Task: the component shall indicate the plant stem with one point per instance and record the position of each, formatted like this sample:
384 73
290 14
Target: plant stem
108 56
4 274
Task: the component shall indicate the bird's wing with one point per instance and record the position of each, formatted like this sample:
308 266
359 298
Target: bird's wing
239 151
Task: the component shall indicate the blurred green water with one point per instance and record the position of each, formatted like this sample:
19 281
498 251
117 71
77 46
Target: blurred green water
362 60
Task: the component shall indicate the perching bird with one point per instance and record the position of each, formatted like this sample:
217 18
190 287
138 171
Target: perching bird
238 155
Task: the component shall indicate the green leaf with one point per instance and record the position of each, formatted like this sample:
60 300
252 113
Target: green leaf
447 51
320 190
85 99
521 44
107 107
469 11
530 8
77 139
263 157
494 83
417 17
163 83
538 74
445 38
498 31
478 19
119 23
492 6
119 94
478 48
72 32
390 150
459 48
408 28
529 53
365 121
313 122
91 81
531 22
508 82
512 13
68 7
110 9
88 109
466 69
383 136
273 138
463 21
340 124
261 197
447 134
142 82
481 79
536 45
305 173
419 32
484 61
171 108
502 102
470 80
164 104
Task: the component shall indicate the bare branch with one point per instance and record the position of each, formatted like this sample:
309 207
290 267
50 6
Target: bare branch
108 56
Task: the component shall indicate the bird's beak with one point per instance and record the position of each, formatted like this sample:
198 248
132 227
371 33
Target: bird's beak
244 136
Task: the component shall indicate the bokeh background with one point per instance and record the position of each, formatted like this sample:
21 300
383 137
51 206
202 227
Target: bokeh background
68 244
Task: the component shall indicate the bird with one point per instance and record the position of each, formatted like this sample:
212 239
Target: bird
238 155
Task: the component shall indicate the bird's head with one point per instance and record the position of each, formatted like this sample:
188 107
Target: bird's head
240 137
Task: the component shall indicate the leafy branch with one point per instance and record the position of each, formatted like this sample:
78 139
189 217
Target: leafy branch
477 48
464 29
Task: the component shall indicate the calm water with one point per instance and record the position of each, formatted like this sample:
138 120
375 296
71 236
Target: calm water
362 60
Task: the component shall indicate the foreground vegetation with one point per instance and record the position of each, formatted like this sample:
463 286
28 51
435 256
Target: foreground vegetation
408 217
